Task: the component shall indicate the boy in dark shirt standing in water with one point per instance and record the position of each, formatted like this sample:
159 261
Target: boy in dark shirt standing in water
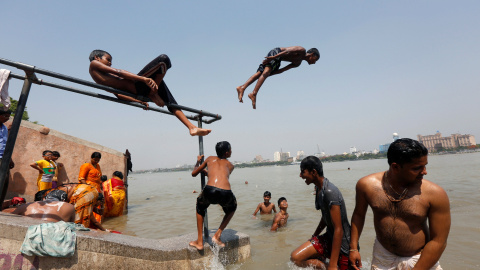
149 83
335 243
265 207
217 191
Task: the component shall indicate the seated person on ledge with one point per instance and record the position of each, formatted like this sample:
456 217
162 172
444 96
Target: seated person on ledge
265 207
149 83
281 218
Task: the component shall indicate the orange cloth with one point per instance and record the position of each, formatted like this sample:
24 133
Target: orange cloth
91 175
114 192
83 198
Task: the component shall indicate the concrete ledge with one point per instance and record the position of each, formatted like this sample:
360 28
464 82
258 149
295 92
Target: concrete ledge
97 249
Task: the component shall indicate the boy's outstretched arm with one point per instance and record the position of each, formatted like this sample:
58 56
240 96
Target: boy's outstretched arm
274 210
199 166
290 66
256 210
97 66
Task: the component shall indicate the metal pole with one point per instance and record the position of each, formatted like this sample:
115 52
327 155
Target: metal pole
202 176
12 135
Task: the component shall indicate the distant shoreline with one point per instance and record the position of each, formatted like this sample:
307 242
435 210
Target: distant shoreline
334 158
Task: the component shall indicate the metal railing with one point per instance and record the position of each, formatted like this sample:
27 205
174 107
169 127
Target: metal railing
31 78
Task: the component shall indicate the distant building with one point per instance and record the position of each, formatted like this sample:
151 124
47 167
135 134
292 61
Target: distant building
258 158
281 156
300 155
383 148
353 149
435 142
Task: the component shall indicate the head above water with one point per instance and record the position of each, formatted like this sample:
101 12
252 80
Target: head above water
405 150
118 174
222 148
281 199
267 193
311 163
97 53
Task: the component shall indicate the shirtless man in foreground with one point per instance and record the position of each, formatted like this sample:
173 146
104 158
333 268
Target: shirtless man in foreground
149 83
217 191
411 215
271 66
48 210
281 218
265 207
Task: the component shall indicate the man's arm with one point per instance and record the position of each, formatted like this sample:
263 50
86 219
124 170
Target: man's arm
358 220
290 66
199 166
276 220
256 210
439 225
320 227
337 236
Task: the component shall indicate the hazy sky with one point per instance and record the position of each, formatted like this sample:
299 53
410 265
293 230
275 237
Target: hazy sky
410 67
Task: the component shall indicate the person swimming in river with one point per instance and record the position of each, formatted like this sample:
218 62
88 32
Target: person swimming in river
148 83
281 217
271 66
217 191
265 207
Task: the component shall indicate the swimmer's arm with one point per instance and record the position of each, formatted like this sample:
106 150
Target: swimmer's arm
274 210
290 66
439 221
276 220
256 210
337 234
358 221
199 166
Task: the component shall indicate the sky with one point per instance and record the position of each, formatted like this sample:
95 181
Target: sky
409 67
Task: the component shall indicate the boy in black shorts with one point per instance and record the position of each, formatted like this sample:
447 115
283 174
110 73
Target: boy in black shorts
217 191
148 83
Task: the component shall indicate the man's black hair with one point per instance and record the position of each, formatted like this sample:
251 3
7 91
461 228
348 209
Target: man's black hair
46 152
98 53
96 155
315 52
405 150
311 163
55 153
222 148
280 200
118 174
267 193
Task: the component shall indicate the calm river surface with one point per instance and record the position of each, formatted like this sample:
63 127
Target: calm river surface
162 205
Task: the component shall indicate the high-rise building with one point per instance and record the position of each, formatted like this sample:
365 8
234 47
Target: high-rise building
435 142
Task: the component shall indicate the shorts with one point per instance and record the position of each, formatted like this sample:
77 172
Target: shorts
323 246
274 64
153 69
213 195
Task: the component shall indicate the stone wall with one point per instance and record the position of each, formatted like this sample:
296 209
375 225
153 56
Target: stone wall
33 139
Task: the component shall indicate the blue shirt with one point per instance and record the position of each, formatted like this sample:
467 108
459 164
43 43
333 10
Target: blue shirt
3 139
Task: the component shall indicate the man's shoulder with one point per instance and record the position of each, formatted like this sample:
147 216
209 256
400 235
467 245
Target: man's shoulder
431 189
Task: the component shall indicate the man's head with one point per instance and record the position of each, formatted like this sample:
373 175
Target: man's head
311 168
267 196
118 174
312 56
47 155
223 149
405 150
4 115
282 203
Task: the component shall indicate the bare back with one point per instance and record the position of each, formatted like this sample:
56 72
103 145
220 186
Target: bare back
294 54
219 171
401 227
51 211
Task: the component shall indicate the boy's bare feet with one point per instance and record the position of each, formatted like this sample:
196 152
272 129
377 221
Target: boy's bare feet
196 245
218 242
240 91
254 100
199 131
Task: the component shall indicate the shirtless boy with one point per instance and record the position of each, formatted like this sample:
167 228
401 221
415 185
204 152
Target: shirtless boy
217 191
265 207
271 66
149 83
411 215
281 218
333 244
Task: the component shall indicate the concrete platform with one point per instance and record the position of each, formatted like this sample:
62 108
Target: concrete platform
101 250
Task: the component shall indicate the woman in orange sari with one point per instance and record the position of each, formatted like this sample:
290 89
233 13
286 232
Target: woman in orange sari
90 173
114 191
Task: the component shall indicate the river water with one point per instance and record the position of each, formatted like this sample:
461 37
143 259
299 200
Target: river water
162 205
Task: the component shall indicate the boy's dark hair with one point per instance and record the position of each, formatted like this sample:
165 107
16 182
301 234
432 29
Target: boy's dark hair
311 163
315 52
46 152
118 174
55 153
98 53
96 155
267 193
222 148
405 150
281 199
3 111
